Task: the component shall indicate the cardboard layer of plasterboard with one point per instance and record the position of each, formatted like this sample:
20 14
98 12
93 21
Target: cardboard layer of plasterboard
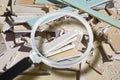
115 43
24 1
64 54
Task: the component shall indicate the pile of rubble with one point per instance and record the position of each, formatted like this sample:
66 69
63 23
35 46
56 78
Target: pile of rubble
17 18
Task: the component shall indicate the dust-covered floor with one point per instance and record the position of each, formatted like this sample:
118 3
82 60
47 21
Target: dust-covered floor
108 70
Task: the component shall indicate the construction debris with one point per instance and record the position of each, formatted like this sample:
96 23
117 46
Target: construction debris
3 6
108 51
17 18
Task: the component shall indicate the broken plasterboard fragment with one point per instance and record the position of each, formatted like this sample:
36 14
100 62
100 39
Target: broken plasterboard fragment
113 37
97 68
117 5
48 2
22 28
43 2
68 8
74 68
58 42
6 57
97 4
31 22
2 22
94 13
64 55
117 57
94 57
24 2
9 64
93 3
1 27
21 19
26 10
4 2
6 27
3 46
2 19
65 48
115 41
96 44
3 6
16 57
108 51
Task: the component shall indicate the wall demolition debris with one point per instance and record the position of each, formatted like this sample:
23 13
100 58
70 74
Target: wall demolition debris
3 6
17 18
